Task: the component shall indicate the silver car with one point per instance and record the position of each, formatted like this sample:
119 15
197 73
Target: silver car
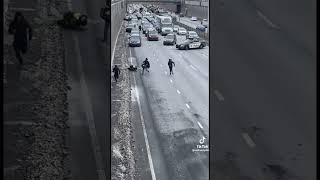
182 31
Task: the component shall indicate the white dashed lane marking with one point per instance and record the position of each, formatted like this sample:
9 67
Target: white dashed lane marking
218 95
248 140
178 92
200 125
171 81
188 106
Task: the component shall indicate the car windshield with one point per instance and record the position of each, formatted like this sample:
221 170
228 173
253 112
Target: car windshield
135 38
170 36
152 32
182 29
186 41
193 33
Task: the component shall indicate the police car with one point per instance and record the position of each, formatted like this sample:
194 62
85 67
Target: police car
191 44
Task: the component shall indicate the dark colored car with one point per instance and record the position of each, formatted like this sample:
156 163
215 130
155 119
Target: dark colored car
153 36
135 41
139 16
127 18
191 44
201 28
130 27
170 39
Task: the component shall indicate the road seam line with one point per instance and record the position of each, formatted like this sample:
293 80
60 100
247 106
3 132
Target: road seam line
268 21
22 9
248 140
12 123
218 95
89 114
144 131
114 48
193 67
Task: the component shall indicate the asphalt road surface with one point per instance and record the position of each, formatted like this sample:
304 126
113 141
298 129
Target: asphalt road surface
263 100
89 98
175 108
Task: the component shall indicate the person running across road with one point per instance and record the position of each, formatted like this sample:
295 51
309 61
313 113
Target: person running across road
116 73
170 64
21 29
145 65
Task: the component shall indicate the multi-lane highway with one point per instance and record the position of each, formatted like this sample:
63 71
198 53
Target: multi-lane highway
263 100
176 107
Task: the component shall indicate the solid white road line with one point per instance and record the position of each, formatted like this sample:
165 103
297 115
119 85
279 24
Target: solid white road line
219 95
268 21
178 91
188 106
116 3
200 125
144 131
88 111
248 140
114 47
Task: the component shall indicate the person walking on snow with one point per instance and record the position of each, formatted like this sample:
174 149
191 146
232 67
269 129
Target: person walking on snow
116 73
21 30
170 64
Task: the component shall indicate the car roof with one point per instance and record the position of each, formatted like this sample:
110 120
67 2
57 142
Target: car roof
135 35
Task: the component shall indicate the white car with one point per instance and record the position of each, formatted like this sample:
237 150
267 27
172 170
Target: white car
192 35
182 31
175 28
193 18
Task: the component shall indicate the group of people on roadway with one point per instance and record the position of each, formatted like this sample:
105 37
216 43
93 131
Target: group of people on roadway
145 66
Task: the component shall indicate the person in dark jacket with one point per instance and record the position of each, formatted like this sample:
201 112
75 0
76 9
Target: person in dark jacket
105 15
145 65
170 64
22 32
116 73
